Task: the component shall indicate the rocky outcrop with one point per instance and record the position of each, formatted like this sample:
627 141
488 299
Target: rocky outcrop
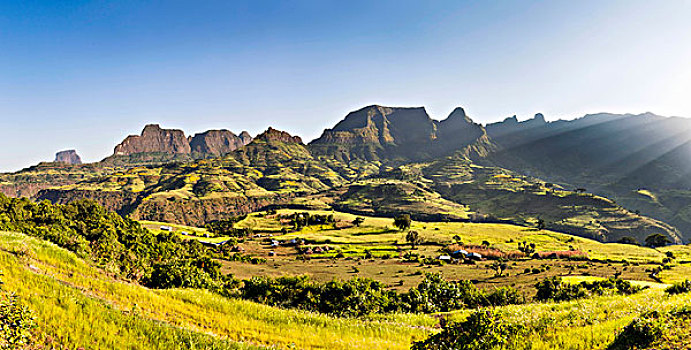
154 140
273 135
69 157
218 142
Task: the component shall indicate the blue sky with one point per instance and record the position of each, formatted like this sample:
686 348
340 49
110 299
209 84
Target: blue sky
85 74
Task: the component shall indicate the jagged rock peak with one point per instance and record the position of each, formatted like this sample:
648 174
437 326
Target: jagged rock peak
273 135
539 118
68 156
246 137
154 139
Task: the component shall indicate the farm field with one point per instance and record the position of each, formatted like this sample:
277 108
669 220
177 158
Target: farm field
72 300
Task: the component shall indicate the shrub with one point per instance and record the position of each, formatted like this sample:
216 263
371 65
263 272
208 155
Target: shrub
16 322
640 333
483 330
679 288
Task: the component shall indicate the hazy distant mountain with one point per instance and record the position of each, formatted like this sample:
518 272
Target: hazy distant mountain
613 154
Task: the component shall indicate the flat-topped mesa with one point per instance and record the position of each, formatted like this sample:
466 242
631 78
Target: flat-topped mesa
218 142
68 157
273 135
155 140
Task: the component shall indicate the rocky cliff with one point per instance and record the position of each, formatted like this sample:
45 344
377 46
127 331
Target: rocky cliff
154 140
69 157
218 142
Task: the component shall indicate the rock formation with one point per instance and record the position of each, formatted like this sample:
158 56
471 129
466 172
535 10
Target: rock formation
218 142
154 139
69 157
273 135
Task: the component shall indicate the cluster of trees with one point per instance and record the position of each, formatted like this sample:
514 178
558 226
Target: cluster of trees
555 289
358 296
355 297
227 227
300 220
118 245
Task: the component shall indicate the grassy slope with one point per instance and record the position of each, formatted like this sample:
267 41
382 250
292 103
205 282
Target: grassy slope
78 305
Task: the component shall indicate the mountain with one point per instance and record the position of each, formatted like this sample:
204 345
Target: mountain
159 146
391 160
615 155
154 140
69 157
218 142
378 133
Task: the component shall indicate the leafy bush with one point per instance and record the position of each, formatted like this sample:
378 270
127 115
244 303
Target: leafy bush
679 288
483 330
16 322
434 294
355 297
640 333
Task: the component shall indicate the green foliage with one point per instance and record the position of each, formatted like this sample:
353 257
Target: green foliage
358 296
355 297
358 221
554 289
628 240
117 244
527 248
227 227
16 321
402 222
413 237
640 333
679 288
300 220
483 330
657 240
435 294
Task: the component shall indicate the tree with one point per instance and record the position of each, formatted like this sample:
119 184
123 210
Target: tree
657 240
402 222
413 238
540 224
628 240
486 244
358 220
499 266
526 248
457 239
